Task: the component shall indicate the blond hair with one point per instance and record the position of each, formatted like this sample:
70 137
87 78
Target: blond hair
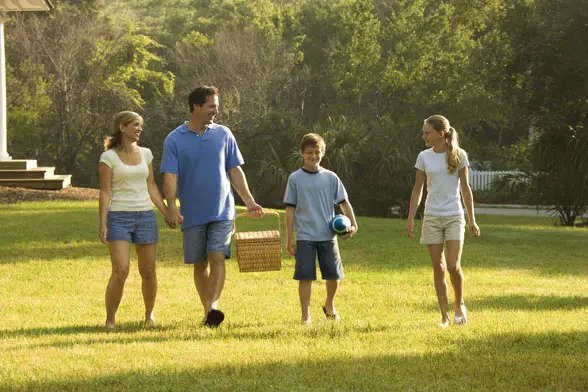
122 118
441 124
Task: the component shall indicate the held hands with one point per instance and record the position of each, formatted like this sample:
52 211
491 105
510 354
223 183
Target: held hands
173 218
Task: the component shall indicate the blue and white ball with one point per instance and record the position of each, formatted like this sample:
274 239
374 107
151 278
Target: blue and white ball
340 224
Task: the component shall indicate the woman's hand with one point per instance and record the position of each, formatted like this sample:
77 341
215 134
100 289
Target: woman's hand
410 228
102 234
474 229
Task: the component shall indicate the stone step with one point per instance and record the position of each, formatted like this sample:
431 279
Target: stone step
18 164
54 182
37 172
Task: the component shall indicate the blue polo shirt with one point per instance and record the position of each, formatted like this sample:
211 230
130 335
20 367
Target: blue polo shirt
202 164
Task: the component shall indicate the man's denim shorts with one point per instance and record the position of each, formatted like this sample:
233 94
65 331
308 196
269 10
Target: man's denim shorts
209 237
328 258
139 227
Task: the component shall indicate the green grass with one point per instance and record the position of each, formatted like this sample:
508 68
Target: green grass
526 290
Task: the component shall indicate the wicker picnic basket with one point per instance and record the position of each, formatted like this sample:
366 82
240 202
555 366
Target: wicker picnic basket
259 250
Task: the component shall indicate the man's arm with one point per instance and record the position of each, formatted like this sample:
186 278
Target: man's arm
170 189
239 182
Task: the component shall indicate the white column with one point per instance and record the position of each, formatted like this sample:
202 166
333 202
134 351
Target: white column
3 141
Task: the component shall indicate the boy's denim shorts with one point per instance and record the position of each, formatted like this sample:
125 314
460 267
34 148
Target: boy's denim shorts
328 258
139 227
209 237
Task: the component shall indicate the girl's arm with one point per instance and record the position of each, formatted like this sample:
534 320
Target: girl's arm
154 193
468 200
105 173
348 211
415 201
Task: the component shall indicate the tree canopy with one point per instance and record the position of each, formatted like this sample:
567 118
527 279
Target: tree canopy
363 73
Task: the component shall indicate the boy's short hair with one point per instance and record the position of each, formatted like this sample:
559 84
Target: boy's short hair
313 140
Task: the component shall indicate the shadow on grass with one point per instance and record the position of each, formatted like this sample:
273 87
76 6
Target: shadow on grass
126 333
123 328
521 362
529 302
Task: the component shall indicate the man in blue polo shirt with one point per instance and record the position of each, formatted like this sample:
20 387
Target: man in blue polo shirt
201 160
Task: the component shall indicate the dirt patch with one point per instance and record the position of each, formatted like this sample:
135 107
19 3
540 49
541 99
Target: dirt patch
17 195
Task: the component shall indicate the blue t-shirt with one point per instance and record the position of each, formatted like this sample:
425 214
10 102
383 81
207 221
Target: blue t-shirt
314 194
202 164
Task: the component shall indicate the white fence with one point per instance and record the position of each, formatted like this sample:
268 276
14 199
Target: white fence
482 180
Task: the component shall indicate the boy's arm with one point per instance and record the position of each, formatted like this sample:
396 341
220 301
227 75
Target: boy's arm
290 244
348 211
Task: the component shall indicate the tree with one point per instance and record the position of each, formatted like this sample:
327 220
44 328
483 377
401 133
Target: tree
91 68
551 63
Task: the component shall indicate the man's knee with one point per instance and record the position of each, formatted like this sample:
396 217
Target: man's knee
200 267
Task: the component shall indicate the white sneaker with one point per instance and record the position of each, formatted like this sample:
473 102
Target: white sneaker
444 324
463 319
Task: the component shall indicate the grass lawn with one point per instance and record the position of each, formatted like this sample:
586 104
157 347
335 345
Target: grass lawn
526 291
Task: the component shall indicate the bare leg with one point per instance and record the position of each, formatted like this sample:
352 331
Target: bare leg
439 268
304 290
332 287
119 258
146 253
454 249
216 283
201 278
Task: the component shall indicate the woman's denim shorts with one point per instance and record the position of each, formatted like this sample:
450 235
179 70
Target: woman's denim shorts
139 227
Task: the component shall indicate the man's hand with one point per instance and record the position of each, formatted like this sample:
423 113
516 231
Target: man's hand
254 208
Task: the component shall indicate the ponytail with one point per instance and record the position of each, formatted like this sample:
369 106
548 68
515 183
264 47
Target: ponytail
441 124
453 158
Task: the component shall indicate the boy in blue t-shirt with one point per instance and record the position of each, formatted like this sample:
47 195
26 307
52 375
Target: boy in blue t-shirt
311 195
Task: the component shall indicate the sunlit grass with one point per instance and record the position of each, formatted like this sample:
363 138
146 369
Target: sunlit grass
526 290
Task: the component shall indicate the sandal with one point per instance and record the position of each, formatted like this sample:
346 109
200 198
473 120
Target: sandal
334 316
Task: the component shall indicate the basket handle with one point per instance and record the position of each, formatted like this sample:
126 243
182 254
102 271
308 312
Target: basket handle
276 214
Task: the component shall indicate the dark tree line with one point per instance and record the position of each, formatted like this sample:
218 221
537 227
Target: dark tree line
511 76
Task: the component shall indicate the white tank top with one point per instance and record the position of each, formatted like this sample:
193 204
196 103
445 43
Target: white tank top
129 182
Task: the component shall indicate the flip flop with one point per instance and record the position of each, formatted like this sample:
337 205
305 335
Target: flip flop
214 318
334 316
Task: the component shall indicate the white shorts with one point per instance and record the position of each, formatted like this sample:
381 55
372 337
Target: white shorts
438 229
